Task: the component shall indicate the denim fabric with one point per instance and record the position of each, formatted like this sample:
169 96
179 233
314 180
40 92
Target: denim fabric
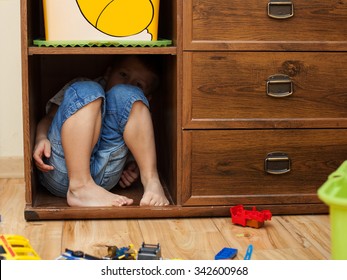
110 153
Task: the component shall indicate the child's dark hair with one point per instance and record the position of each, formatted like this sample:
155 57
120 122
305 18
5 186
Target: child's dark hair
151 62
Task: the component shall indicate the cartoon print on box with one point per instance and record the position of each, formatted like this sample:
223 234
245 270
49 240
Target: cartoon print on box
101 20
118 17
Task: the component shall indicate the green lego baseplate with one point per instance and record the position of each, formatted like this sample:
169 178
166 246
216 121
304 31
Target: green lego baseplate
120 43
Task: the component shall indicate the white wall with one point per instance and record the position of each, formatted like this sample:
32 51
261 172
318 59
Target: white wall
11 131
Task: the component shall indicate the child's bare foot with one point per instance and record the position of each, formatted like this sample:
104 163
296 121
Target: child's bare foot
94 195
154 194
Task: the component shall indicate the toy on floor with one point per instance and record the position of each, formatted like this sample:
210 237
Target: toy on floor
75 255
16 247
149 252
334 194
251 218
123 253
146 252
249 252
226 254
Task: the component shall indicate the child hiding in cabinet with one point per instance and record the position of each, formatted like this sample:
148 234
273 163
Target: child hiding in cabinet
83 142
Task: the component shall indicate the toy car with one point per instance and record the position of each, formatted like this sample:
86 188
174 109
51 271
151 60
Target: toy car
16 247
75 255
149 252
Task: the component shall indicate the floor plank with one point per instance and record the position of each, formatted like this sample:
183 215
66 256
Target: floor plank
283 238
11 167
313 229
196 239
45 237
93 237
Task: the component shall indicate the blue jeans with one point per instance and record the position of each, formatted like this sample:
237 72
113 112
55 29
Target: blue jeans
110 153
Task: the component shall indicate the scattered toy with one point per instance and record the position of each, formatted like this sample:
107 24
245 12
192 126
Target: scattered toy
16 247
226 253
124 253
76 255
249 252
251 218
146 252
149 252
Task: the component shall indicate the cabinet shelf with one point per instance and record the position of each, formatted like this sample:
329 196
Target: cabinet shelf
172 50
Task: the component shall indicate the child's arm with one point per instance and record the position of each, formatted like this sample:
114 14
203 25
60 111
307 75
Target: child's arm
42 145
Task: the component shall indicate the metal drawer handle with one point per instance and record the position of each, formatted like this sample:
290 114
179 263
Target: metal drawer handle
277 163
280 9
279 86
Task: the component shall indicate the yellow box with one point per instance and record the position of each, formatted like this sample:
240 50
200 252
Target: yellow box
101 20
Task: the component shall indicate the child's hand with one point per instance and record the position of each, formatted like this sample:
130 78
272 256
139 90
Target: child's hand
130 174
42 149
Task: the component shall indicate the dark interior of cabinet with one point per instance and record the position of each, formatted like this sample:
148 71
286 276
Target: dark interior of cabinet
48 73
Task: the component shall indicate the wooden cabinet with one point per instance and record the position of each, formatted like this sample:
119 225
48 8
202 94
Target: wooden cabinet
264 119
251 105
47 69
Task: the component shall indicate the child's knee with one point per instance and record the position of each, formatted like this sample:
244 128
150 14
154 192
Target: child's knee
125 95
88 90
123 92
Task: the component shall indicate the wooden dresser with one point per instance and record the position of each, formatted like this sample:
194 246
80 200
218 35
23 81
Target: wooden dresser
264 101
253 105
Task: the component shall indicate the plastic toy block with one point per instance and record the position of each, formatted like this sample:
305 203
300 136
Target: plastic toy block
86 43
251 218
226 253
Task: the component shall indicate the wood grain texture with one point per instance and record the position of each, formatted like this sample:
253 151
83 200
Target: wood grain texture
245 25
282 238
237 94
227 166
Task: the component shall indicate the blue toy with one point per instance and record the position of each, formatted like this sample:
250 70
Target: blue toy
249 252
226 253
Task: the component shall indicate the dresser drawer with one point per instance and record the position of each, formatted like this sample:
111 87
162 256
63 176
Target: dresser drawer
264 24
223 167
262 89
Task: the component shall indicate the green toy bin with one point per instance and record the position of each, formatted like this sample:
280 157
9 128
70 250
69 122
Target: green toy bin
334 193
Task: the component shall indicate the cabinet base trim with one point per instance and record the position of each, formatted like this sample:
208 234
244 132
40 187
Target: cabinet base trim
135 212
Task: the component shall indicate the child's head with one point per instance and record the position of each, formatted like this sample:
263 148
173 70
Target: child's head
136 70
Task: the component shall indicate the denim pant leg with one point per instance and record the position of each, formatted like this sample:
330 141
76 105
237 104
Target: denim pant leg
76 96
111 153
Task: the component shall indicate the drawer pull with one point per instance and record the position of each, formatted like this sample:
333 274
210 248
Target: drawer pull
280 9
279 86
277 163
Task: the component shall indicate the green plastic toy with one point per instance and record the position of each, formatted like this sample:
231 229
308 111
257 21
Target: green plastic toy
334 193
158 43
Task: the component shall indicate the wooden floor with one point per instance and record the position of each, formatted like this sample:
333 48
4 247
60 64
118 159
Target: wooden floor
282 238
